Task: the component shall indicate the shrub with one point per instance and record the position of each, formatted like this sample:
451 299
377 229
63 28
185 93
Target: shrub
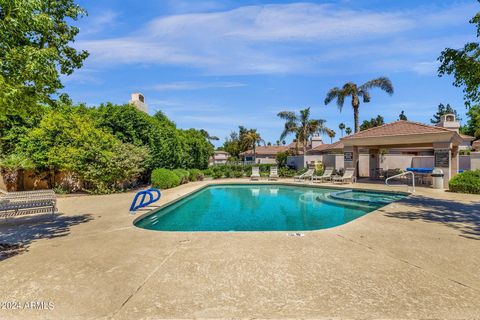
281 158
238 174
69 141
286 172
466 182
208 172
182 174
196 175
217 175
164 179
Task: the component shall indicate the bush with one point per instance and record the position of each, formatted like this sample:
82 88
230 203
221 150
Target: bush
196 175
238 174
281 158
164 179
286 172
466 182
183 175
217 175
208 172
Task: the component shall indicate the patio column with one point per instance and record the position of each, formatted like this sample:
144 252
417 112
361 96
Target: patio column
350 158
455 165
443 160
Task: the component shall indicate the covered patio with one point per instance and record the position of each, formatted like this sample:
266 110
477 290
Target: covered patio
405 134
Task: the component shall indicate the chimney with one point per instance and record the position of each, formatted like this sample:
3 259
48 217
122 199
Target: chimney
138 100
448 121
316 141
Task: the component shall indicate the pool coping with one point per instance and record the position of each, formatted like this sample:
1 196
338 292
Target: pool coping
220 183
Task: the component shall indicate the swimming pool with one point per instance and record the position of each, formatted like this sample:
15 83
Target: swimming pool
258 207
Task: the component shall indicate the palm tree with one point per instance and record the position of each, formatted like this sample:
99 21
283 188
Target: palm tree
350 89
341 126
331 134
251 139
302 126
348 130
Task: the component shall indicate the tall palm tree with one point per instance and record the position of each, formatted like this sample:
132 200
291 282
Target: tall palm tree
331 134
348 130
350 89
301 126
251 139
341 126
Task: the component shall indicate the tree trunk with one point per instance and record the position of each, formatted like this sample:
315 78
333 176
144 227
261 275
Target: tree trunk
355 118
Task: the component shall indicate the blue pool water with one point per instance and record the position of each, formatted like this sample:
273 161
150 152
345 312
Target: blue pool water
257 208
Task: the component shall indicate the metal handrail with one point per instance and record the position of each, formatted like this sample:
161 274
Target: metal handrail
143 202
400 175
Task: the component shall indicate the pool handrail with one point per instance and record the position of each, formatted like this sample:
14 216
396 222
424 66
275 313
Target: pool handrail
152 198
400 175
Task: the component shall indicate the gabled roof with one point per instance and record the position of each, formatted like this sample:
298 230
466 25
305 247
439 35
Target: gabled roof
325 148
265 150
397 128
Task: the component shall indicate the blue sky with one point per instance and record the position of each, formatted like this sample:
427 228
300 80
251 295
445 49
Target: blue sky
219 64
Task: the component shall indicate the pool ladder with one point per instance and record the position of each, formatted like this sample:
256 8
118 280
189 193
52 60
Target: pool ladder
401 175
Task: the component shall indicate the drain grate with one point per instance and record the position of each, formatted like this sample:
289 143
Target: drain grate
296 234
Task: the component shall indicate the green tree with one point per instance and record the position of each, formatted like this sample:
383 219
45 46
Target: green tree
197 149
464 65
331 134
232 145
341 126
472 127
443 110
35 46
348 131
70 141
356 92
402 116
372 123
301 126
250 140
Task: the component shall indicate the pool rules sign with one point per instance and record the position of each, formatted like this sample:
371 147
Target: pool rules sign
442 158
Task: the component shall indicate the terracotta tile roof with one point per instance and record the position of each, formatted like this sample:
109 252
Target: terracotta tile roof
327 147
467 137
476 145
397 128
265 150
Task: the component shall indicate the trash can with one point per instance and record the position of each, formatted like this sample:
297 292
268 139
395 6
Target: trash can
437 177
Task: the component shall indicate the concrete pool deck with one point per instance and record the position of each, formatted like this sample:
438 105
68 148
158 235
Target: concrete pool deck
417 258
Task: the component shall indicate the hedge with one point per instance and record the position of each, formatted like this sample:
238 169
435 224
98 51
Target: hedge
196 175
182 174
466 182
164 179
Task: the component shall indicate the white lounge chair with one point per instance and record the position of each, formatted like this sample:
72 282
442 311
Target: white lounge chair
273 173
307 175
327 175
255 173
27 202
348 175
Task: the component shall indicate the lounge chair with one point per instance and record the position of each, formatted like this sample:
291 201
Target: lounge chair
327 175
307 175
27 202
348 175
273 173
255 173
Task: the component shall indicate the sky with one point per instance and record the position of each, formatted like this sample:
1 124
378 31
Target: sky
215 65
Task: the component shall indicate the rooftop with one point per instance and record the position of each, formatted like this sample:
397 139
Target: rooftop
397 128
265 150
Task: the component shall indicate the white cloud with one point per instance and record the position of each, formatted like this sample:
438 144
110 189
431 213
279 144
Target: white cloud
195 85
286 38
98 23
